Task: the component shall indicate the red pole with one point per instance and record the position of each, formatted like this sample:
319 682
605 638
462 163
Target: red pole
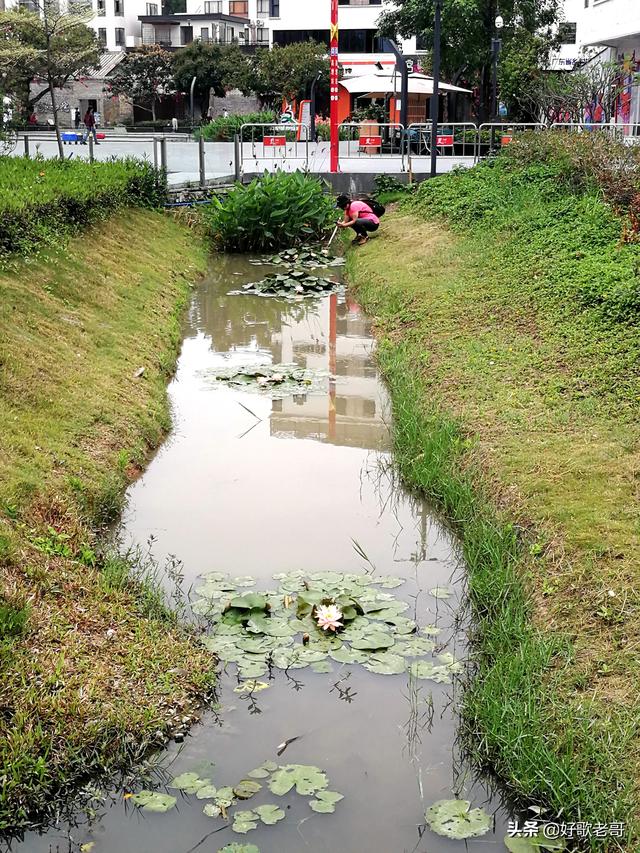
335 132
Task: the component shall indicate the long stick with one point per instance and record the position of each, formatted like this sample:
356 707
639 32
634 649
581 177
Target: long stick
335 231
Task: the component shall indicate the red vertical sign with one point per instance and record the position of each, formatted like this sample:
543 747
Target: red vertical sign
333 51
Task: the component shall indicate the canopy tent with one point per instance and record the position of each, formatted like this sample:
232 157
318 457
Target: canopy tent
378 85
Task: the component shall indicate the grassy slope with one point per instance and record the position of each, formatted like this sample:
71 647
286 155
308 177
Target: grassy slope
509 408
98 668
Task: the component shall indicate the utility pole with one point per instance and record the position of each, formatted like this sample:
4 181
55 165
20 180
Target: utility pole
334 90
312 106
435 97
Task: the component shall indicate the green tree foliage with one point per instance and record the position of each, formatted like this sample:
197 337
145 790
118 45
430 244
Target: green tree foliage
47 44
144 76
468 26
215 67
288 72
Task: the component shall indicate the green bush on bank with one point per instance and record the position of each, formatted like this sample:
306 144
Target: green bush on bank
223 129
42 201
275 211
561 212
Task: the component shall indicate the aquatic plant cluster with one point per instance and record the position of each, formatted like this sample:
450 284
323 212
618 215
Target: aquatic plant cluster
274 380
260 631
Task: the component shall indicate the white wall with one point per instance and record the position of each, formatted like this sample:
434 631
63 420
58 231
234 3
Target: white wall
611 21
128 21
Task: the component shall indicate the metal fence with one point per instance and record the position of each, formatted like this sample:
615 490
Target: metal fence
262 145
372 140
457 139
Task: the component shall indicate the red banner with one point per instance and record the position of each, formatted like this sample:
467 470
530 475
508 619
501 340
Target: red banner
446 139
275 141
370 141
334 88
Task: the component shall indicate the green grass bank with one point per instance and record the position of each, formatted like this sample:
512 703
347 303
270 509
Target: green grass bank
93 669
506 307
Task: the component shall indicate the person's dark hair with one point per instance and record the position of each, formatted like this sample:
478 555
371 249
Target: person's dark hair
343 202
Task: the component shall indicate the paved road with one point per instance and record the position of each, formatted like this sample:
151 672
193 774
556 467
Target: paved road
183 157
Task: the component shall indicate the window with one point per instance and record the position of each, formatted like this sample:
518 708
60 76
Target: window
101 8
274 8
186 35
359 2
102 36
213 7
119 36
204 34
262 36
239 7
152 8
118 8
567 33
263 8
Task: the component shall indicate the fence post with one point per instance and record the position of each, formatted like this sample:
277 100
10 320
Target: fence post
203 175
26 145
237 152
90 140
163 153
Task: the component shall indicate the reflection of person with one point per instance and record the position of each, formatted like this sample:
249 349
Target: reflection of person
76 117
359 216
90 126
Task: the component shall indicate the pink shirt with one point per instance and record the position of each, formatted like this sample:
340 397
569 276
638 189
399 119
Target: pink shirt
361 210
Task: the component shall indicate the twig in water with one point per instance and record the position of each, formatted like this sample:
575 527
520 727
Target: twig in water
359 550
246 408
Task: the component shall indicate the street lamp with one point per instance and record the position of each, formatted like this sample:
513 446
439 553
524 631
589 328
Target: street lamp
496 47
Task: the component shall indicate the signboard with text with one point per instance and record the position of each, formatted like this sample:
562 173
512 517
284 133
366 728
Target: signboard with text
370 141
275 141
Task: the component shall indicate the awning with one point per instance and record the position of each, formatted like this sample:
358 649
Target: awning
376 85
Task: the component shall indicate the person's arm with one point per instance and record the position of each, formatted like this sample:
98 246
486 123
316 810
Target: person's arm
348 219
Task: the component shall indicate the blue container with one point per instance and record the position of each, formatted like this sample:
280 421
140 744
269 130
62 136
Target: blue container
71 137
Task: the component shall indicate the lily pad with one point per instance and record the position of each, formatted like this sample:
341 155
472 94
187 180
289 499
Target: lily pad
456 819
190 783
244 821
269 814
431 630
207 792
345 655
212 810
426 669
386 664
374 639
325 802
224 796
251 687
239 848
246 789
306 779
442 592
414 647
265 769
249 601
448 660
153 801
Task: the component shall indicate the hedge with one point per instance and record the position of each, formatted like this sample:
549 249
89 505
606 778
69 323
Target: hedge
43 201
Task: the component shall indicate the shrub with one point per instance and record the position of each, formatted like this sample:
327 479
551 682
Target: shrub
224 129
42 201
274 211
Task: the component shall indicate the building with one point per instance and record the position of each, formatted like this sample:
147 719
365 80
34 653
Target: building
212 21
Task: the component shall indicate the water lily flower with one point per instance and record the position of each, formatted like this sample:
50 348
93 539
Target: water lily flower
328 617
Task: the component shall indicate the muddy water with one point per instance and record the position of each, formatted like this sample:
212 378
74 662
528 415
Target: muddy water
254 486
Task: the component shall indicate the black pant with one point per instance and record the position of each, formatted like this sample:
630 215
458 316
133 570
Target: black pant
363 226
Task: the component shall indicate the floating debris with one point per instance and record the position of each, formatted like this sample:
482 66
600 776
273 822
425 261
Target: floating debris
274 380
456 819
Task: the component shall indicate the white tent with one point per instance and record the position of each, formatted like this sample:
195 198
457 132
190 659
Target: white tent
378 85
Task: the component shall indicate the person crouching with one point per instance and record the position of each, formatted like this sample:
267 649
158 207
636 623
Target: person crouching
359 216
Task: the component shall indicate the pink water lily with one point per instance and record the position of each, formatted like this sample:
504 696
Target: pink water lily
328 617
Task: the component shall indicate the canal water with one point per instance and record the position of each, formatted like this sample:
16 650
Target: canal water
254 486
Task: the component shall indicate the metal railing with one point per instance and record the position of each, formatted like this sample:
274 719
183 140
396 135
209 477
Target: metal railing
372 140
494 135
262 144
453 139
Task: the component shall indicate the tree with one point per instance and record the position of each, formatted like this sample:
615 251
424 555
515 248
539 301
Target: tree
215 67
288 72
468 26
49 44
144 75
588 93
